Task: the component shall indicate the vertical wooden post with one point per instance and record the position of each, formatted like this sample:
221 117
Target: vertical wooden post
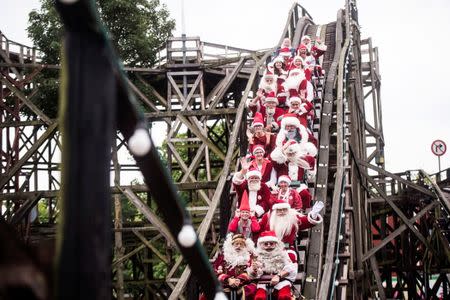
118 245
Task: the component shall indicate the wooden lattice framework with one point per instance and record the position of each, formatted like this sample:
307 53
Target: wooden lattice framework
198 91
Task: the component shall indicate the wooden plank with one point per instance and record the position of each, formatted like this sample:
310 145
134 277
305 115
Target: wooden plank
27 101
43 138
398 178
376 273
398 231
150 246
151 217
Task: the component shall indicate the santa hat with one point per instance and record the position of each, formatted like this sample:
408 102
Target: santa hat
278 59
290 119
269 74
268 236
254 172
280 204
244 202
302 47
284 178
258 147
258 120
306 37
285 52
298 58
271 97
293 97
310 149
310 160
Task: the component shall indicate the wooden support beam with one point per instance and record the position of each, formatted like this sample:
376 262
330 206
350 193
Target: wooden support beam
151 217
376 273
27 101
150 246
398 178
398 231
43 138
189 113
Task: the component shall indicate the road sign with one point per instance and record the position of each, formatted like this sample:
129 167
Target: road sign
438 147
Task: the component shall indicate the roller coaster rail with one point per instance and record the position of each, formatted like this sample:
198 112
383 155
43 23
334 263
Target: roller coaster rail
384 235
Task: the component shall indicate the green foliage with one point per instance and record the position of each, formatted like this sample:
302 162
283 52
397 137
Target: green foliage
138 29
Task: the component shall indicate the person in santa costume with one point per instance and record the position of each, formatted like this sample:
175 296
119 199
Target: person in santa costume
297 80
273 262
269 111
308 60
286 54
263 164
232 263
298 107
317 51
306 40
258 192
258 136
291 129
280 69
244 221
286 222
285 44
286 194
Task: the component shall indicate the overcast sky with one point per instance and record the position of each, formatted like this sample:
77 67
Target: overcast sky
412 37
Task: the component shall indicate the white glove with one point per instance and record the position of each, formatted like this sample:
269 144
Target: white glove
316 209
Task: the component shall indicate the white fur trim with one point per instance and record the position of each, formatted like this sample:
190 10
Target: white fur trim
309 91
254 173
252 199
296 99
278 156
282 94
311 174
321 46
259 210
310 149
290 121
303 108
306 37
281 205
303 133
302 187
293 171
284 178
278 59
267 239
313 221
238 178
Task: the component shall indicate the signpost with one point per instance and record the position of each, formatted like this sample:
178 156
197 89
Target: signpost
438 148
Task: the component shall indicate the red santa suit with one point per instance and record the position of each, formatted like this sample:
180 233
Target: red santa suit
269 119
259 201
302 112
265 167
266 139
288 236
290 196
248 228
230 264
272 263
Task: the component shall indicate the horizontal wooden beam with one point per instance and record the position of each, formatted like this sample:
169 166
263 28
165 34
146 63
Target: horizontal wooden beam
189 113
185 186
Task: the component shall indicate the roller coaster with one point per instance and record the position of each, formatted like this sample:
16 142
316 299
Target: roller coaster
383 235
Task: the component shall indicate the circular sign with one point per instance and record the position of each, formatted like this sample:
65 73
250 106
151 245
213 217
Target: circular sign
438 147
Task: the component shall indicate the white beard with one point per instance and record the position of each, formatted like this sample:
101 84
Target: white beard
285 224
268 87
270 111
254 187
234 258
274 261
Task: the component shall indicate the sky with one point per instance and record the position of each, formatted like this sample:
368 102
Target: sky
410 35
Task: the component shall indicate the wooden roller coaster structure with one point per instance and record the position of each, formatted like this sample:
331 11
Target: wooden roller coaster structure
384 235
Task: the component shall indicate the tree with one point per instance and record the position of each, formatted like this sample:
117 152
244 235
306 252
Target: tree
138 29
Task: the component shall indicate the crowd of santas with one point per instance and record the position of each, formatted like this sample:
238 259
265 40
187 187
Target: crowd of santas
274 202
